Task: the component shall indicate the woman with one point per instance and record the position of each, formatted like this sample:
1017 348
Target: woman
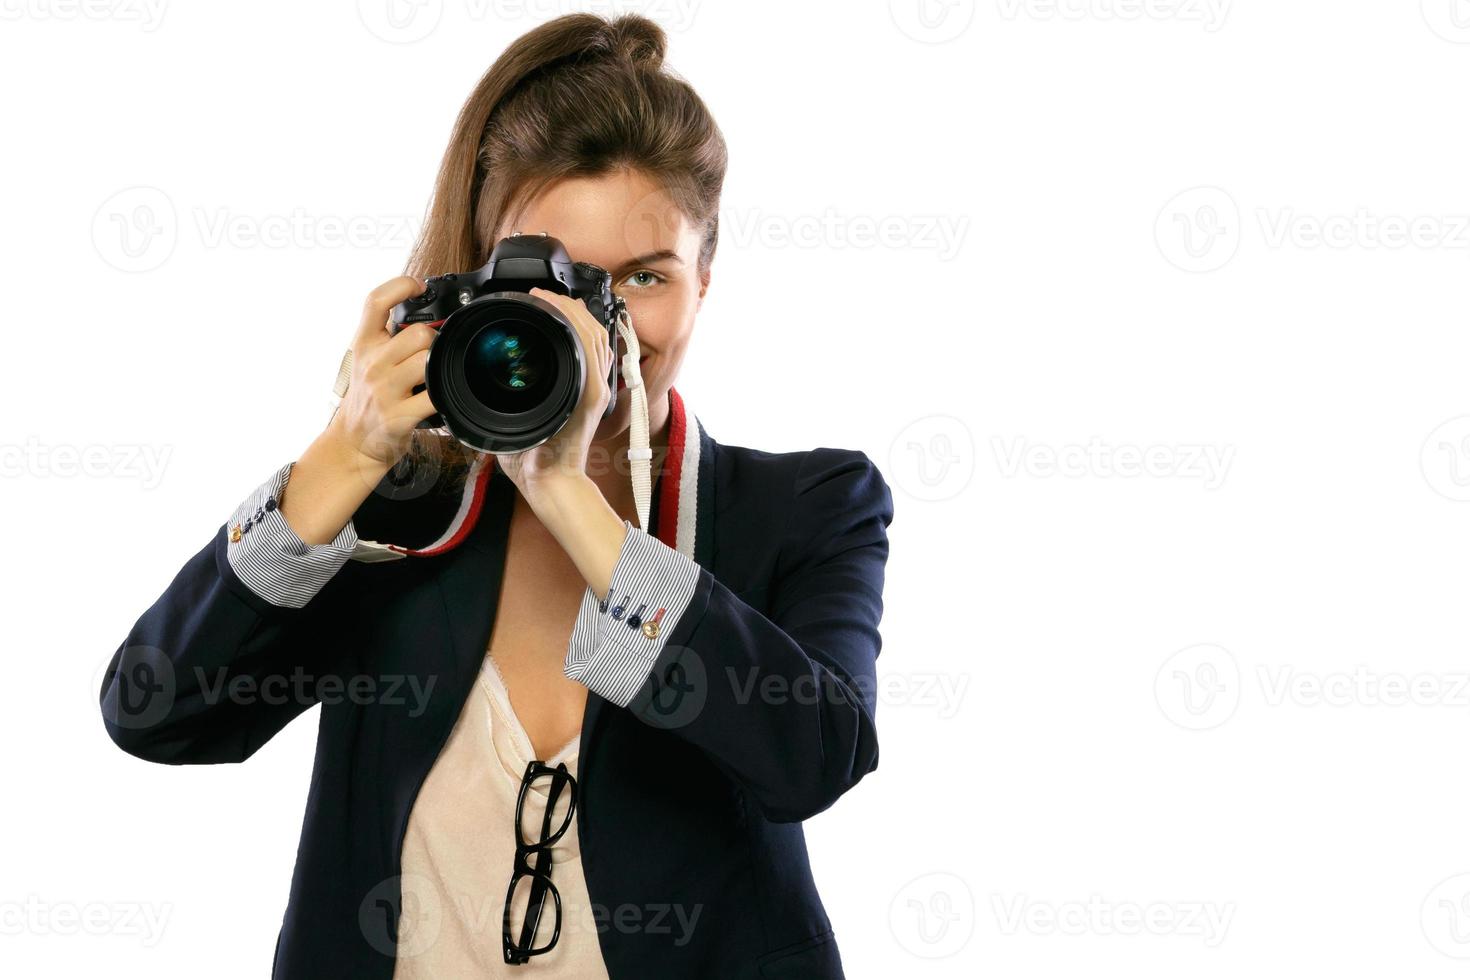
552 740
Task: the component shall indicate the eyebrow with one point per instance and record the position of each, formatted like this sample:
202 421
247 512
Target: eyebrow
649 258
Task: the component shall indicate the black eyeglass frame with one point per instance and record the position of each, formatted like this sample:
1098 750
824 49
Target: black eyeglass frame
517 953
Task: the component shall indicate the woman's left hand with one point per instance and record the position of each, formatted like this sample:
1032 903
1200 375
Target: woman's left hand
564 455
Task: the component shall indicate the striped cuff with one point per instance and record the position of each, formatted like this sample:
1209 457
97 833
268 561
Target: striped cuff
270 557
616 640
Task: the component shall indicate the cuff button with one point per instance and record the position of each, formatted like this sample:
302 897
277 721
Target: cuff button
235 533
650 629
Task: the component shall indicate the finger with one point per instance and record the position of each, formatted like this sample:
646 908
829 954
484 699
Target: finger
419 407
562 303
409 372
371 331
408 341
414 337
593 334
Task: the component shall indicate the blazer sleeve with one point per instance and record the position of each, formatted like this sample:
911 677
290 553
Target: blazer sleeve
233 648
784 703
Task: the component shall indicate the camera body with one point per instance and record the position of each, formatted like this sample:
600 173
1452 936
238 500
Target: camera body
506 369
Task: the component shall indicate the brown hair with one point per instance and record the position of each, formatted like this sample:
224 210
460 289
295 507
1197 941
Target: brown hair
577 96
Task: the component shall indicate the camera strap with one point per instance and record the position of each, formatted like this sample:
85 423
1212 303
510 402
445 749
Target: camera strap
640 456
678 492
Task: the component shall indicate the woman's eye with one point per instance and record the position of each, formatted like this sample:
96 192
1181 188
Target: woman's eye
642 279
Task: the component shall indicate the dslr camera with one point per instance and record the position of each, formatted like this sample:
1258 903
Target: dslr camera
506 369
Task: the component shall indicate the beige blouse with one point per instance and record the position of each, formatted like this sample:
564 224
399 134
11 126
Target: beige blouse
459 848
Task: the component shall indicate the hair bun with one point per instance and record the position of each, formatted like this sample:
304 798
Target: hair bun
637 40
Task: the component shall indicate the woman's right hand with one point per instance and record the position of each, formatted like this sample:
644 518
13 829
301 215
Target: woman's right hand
373 425
376 418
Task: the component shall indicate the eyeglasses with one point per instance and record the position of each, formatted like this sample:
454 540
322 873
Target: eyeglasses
538 871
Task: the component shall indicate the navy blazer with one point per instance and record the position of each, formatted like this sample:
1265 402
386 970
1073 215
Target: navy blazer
758 713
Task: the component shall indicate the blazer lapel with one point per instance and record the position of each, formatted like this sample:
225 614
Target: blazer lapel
471 582
473 575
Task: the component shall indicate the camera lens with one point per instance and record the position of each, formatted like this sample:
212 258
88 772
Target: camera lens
509 366
505 372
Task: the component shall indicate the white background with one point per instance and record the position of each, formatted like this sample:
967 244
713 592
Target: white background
1153 315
